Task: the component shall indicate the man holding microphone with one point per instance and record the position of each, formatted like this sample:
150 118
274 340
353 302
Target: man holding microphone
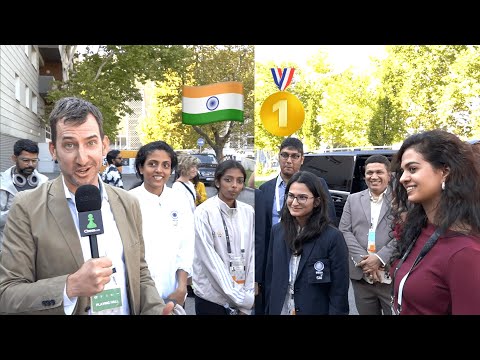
46 266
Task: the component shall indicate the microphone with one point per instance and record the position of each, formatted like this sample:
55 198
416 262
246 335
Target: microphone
89 202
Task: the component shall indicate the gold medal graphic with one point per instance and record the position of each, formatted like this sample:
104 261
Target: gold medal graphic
282 114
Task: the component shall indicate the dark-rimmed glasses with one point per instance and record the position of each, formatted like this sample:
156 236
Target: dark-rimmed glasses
301 199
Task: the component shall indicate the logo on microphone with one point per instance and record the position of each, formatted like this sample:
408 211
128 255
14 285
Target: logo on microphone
90 222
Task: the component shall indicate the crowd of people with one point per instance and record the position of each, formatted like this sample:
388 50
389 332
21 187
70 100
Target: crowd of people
408 244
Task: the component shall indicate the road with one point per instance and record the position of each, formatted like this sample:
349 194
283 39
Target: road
247 196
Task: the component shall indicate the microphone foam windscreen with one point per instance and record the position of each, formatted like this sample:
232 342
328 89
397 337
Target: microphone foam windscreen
87 198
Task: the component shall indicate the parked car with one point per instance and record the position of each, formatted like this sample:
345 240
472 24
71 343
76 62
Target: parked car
344 172
206 168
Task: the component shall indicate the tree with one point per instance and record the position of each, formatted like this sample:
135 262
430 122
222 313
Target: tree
347 108
207 65
386 125
435 86
108 77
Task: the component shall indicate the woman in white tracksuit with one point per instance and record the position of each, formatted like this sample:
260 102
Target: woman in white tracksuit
167 222
223 263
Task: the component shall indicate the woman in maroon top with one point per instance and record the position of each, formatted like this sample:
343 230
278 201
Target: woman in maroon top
436 188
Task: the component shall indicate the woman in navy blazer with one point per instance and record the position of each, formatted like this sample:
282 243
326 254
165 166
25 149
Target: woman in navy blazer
307 263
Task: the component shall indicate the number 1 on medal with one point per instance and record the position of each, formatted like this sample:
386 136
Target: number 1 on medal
282 114
281 106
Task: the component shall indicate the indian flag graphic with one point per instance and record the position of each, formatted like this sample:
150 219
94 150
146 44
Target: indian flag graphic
211 103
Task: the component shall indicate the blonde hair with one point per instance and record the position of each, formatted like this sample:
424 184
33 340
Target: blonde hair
185 162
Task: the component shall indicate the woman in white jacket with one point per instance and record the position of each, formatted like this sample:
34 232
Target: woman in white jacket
167 222
223 264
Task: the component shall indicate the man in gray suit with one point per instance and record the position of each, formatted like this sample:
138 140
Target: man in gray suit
45 265
366 226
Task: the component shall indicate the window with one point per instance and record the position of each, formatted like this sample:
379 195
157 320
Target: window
34 103
34 58
27 97
120 142
18 88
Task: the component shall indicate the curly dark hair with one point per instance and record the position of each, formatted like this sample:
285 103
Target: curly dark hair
460 201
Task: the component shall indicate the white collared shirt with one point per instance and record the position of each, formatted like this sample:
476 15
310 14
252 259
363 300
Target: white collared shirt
109 244
278 199
375 207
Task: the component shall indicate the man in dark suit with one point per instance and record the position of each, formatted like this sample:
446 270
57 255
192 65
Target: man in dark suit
366 226
260 250
290 158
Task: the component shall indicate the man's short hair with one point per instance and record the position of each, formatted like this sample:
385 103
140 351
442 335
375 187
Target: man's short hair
291 142
377 158
111 155
25 145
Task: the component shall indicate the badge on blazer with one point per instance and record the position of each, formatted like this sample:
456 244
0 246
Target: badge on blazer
319 266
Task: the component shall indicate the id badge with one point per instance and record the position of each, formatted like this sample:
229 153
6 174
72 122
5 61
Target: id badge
371 241
237 269
107 302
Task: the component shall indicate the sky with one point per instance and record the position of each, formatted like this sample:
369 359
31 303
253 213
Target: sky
341 56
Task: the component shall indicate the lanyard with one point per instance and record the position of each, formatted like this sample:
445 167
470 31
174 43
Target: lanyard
242 237
426 248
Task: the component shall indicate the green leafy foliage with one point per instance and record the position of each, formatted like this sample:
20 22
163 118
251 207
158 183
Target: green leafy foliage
206 65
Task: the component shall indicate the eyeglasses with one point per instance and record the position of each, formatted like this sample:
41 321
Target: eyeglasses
28 161
285 156
301 199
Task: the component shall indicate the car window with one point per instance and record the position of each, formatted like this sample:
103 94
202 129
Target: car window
336 170
206 159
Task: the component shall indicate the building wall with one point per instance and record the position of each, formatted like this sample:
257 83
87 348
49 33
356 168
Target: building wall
21 106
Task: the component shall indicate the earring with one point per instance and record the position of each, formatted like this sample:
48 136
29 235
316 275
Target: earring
443 185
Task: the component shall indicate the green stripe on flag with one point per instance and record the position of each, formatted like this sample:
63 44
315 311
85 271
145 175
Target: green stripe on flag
213 116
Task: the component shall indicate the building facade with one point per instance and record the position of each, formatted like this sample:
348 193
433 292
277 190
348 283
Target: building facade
26 75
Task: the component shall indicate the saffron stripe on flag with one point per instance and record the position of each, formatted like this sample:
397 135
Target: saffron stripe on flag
213 89
213 116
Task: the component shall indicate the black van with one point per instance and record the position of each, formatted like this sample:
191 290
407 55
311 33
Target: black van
344 172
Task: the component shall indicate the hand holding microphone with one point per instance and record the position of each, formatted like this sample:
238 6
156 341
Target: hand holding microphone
91 278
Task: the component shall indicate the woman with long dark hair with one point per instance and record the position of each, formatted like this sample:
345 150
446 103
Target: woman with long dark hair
436 209
307 264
